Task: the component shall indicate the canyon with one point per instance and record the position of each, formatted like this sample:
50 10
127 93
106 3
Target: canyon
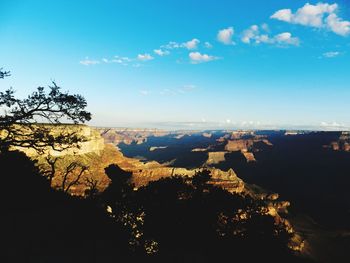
242 162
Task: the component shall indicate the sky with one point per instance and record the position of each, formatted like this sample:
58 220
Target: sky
186 64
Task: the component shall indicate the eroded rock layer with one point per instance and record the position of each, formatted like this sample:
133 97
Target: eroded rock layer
97 155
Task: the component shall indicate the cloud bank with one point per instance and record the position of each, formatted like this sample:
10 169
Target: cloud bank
254 35
321 15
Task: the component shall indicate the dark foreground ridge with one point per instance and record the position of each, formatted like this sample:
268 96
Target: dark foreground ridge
174 219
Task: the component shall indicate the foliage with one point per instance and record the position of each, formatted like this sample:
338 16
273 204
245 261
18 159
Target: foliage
4 73
20 121
176 218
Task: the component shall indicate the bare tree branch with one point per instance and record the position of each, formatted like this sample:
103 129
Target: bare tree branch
72 170
92 186
50 172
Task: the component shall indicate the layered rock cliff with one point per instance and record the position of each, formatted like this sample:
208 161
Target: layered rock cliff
97 155
128 135
215 157
91 142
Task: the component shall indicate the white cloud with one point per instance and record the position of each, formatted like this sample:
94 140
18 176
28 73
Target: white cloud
197 57
286 38
161 52
337 25
119 60
308 15
208 45
126 59
88 62
192 44
171 45
263 39
321 15
225 36
144 57
333 126
253 34
283 15
331 54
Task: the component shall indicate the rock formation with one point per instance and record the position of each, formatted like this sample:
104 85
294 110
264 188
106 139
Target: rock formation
128 136
215 157
199 150
245 146
248 156
207 134
151 149
343 143
92 141
238 145
98 155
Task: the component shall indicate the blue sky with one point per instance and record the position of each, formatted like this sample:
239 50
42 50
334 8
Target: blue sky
186 64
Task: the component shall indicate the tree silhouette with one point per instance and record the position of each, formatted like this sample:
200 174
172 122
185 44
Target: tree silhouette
21 119
182 219
4 73
37 223
72 175
92 190
120 187
200 179
50 171
22 183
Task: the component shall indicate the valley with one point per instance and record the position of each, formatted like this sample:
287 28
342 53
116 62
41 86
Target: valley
301 176
307 168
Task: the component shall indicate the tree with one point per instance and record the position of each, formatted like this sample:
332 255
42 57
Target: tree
49 172
25 122
4 73
200 179
92 184
35 219
21 181
120 186
72 175
186 220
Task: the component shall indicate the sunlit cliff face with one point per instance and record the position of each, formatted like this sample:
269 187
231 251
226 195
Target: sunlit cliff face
91 140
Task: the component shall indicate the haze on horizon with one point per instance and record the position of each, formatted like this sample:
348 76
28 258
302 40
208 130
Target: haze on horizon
186 64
